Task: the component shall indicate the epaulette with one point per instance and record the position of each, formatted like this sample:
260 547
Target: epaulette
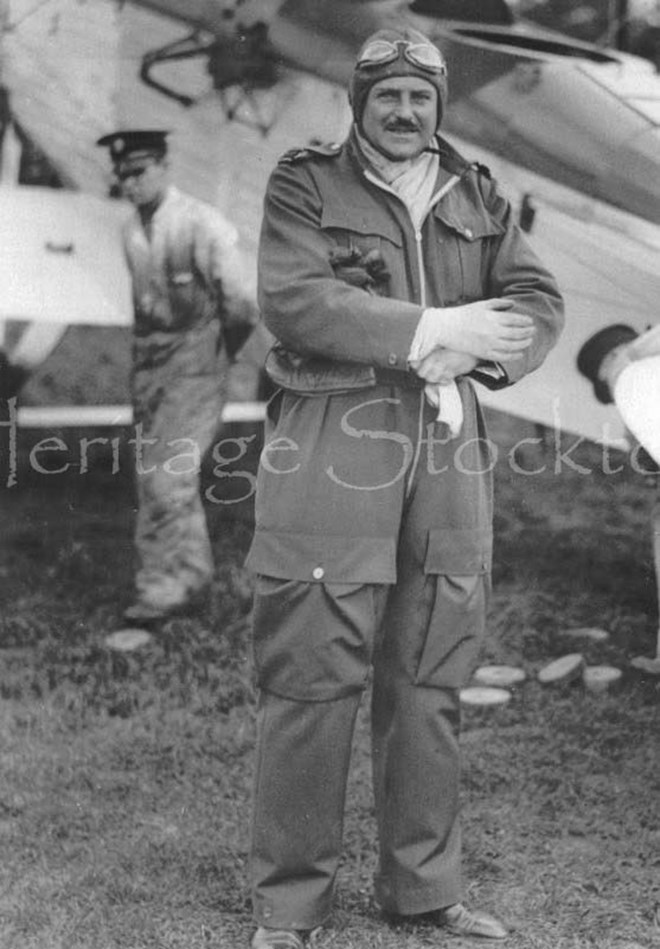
451 160
294 155
481 169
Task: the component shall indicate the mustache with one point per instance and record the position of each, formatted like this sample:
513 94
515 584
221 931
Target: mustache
402 127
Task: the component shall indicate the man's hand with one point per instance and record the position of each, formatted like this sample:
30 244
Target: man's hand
443 365
484 329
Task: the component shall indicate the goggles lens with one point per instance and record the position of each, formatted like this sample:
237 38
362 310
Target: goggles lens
422 55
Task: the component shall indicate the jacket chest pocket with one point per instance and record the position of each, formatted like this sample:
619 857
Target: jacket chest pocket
465 245
363 243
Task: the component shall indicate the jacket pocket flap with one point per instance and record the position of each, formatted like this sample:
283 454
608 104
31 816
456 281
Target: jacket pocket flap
323 558
466 221
360 221
459 552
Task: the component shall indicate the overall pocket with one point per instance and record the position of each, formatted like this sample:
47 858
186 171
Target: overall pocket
457 568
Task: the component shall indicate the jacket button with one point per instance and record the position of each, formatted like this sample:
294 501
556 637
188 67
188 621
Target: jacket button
318 573
392 359
468 233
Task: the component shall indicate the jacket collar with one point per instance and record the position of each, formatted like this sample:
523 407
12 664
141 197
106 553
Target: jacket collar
451 162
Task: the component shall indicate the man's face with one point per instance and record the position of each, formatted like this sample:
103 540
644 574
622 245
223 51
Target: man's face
143 179
400 116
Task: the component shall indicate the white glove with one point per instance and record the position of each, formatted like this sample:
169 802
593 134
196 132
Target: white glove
484 329
443 365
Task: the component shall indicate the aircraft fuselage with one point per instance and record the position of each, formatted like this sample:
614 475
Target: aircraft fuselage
585 117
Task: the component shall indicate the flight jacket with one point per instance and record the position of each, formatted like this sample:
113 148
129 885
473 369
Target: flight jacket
344 277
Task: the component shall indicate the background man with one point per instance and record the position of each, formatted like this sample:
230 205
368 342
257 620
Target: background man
624 368
391 270
191 316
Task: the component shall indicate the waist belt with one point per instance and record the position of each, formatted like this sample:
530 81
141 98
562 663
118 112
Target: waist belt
397 377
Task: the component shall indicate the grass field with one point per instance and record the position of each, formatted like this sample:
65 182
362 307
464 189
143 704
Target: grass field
125 781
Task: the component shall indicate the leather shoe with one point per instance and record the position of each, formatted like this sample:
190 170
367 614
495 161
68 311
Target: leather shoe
461 921
277 939
144 612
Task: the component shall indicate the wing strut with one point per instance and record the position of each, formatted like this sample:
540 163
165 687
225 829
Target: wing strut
185 48
242 62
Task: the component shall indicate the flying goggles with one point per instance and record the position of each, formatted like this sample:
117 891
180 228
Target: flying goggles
422 55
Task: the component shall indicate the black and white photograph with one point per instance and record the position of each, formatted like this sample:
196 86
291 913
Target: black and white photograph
329 474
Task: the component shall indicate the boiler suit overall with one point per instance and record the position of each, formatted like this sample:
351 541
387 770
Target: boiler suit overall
372 547
189 286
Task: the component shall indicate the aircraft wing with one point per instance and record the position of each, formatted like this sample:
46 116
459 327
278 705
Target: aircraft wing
602 285
61 258
606 264
60 61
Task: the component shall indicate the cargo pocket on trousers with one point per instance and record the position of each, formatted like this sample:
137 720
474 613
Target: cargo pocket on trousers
457 567
312 642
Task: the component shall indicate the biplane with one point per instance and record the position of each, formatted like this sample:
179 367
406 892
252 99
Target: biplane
571 129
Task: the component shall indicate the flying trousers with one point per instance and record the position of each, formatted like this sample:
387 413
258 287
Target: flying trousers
176 419
366 469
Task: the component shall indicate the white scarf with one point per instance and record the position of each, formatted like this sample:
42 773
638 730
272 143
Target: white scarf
414 181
